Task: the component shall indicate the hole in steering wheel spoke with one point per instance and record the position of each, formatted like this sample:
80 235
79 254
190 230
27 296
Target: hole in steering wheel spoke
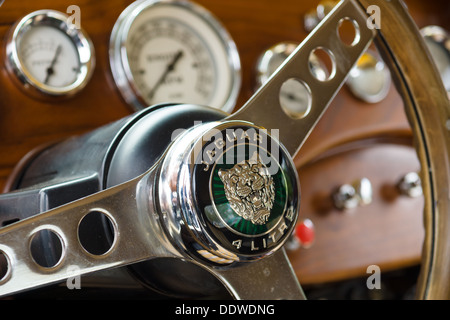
97 232
322 64
4 266
46 248
348 31
295 98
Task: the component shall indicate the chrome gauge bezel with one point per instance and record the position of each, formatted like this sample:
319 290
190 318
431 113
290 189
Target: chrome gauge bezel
264 65
79 38
439 38
120 66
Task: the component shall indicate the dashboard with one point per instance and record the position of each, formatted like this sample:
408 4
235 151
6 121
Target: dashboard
70 67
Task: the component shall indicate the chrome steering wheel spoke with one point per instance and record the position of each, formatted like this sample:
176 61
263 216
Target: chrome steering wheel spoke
270 279
128 208
296 120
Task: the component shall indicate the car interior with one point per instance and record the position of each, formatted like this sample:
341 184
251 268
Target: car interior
225 149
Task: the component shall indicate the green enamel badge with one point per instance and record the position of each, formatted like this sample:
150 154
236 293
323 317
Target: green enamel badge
252 202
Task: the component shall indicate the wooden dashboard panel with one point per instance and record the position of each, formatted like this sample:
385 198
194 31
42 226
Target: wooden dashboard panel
255 25
387 232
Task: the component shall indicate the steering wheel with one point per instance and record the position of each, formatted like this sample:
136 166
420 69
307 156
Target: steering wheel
224 195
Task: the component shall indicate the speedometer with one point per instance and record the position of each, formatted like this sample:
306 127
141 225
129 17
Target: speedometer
165 51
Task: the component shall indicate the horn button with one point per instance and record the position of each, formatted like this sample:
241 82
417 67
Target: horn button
231 195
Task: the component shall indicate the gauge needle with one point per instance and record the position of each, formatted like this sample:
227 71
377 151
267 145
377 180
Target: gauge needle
170 67
292 97
50 70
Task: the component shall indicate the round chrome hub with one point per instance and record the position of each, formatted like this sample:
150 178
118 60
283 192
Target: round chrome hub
237 192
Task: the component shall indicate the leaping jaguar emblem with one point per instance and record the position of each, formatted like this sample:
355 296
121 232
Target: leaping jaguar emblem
250 190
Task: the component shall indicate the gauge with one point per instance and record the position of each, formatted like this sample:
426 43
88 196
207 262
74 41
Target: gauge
370 79
438 42
271 59
48 55
174 52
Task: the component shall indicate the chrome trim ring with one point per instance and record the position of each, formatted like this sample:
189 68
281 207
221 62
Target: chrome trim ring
119 57
78 37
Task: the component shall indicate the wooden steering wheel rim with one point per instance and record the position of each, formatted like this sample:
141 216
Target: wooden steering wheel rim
428 109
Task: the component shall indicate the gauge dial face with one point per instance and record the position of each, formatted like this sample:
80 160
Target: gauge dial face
169 62
49 56
174 52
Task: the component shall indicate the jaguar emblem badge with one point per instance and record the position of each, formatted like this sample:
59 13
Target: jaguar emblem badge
249 189
252 203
